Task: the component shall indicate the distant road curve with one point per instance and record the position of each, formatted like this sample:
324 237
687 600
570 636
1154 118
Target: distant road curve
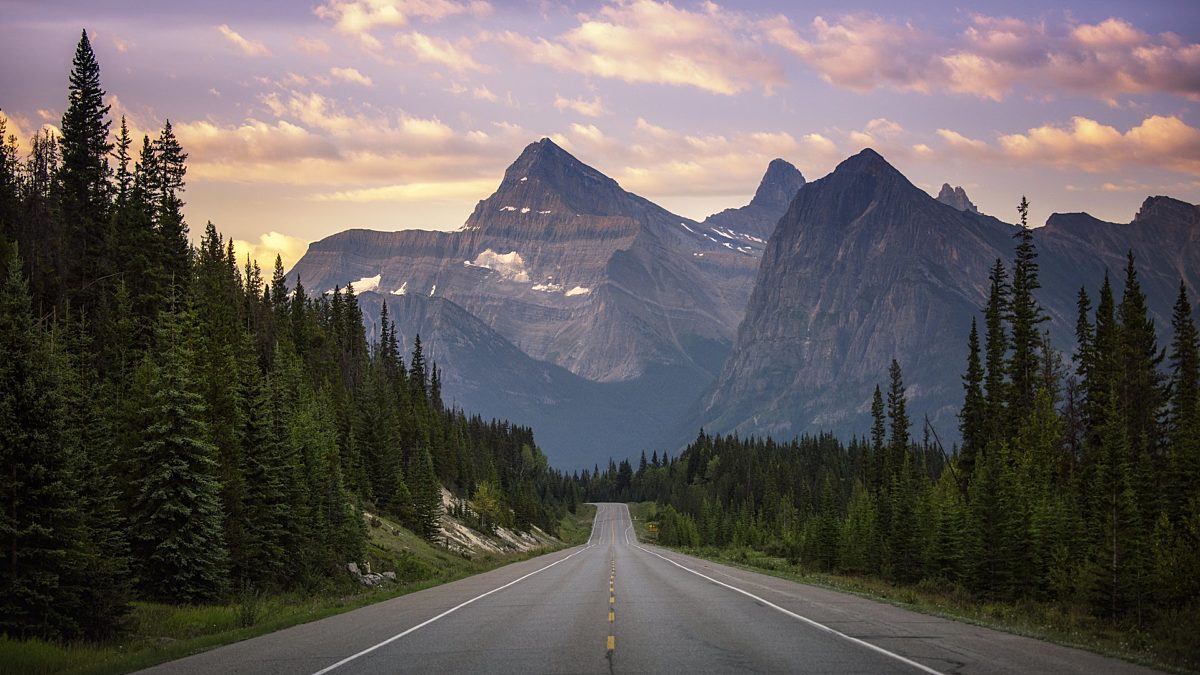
615 605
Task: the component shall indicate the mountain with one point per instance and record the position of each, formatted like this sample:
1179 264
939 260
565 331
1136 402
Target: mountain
956 197
571 271
758 218
580 422
865 267
567 266
611 325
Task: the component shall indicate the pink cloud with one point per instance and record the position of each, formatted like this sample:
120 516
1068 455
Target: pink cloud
993 56
644 41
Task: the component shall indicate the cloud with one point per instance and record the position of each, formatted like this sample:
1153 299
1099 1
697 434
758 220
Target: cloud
1164 142
993 56
661 162
288 248
592 108
412 192
352 76
644 41
357 18
878 132
484 94
962 143
248 47
859 51
252 141
455 56
315 46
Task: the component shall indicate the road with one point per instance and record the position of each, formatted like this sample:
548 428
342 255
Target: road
616 606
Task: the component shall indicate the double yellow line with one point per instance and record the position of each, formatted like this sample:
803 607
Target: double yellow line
612 589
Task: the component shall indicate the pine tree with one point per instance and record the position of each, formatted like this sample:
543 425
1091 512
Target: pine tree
1024 313
416 372
898 416
100 566
176 524
170 166
878 437
996 350
1141 383
973 417
1117 525
84 180
1183 426
40 524
265 468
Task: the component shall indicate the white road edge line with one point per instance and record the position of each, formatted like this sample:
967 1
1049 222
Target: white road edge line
421 625
805 619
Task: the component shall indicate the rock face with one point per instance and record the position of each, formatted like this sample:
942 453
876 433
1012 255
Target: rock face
956 197
611 325
578 422
558 283
568 267
865 267
771 200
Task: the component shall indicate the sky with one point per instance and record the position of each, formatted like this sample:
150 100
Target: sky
302 119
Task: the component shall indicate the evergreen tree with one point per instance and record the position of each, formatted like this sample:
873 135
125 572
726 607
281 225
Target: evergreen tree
84 180
996 350
100 566
1183 426
426 494
170 165
1024 313
40 524
878 438
265 467
176 524
898 416
1141 390
973 417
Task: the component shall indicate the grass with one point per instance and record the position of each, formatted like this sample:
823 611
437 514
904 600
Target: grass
165 632
1172 647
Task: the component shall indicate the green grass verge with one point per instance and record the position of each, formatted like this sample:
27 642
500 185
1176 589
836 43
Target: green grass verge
1174 649
165 632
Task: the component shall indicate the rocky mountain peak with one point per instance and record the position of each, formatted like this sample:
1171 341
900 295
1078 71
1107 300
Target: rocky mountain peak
778 186
868 171
546 162
956 197
1157 209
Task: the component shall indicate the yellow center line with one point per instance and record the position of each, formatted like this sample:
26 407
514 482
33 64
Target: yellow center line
611 616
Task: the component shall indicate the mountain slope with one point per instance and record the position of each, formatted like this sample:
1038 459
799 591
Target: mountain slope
758 218
865 267
578 422
568 267
854 275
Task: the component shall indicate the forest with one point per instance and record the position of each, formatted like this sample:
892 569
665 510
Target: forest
175 426
1077 481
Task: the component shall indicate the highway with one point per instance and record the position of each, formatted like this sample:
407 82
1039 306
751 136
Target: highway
615 605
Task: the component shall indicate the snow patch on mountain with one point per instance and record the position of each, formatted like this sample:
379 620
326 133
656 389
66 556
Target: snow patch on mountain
403 290
508 265
368 283
578 290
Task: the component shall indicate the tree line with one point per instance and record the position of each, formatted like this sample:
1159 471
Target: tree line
175 426
1077 480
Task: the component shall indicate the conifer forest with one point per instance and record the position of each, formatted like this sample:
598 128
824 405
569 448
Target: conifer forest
178 425
1077 481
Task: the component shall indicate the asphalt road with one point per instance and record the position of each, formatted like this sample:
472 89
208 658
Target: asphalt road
615 606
